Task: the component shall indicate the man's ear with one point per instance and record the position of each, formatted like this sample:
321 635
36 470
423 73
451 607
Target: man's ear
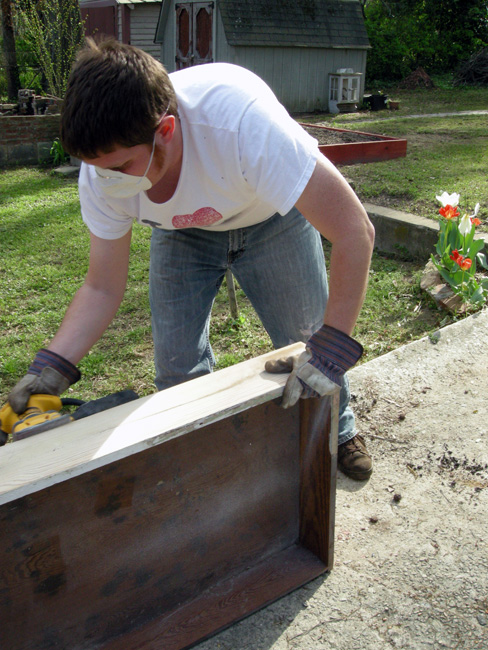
166 128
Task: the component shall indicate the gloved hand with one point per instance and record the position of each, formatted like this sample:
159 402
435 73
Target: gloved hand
49 374
317 371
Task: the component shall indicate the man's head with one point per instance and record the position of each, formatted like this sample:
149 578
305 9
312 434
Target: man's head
116 96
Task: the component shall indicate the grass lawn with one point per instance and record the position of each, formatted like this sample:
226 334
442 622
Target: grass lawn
443 153
44 259
45 256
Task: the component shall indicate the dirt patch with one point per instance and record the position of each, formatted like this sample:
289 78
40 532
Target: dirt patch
326 136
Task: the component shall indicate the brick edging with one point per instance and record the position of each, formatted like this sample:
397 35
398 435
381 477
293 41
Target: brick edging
27 139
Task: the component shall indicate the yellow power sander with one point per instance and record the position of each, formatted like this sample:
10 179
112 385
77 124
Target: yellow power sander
44 412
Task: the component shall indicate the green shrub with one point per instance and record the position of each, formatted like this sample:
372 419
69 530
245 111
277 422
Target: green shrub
58 154
407 34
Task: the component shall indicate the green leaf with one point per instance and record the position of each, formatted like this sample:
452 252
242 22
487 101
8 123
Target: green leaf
455 240
434 261
475 248
440 248
468 239
452 279
481 257
478 296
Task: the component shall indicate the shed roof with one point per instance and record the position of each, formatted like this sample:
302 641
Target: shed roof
287 23
299 23
90 4
104 3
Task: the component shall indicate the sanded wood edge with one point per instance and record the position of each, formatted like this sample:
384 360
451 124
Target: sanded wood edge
54 456
226 603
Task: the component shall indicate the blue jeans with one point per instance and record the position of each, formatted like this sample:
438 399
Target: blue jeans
280 266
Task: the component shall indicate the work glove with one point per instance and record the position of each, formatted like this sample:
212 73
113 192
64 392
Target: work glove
49 374
319 369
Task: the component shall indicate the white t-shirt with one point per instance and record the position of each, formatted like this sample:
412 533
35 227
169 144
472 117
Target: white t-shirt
244 159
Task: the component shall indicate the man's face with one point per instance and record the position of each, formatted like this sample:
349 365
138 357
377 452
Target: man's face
132 161
137 161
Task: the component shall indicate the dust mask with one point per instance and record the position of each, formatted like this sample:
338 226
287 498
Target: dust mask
124 186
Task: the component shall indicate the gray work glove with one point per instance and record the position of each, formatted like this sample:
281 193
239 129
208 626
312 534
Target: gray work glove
319 370
49 374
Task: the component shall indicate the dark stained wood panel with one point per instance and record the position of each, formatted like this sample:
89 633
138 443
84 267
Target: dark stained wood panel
168 545
229 601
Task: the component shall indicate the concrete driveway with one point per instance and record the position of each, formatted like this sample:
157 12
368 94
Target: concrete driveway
411 552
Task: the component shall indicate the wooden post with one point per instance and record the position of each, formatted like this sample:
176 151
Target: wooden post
160 522
231 290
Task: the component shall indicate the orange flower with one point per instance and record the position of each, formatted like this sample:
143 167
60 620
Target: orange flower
463 262
476 221
449 212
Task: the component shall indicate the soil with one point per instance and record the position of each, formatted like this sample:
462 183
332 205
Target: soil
326 136
411 567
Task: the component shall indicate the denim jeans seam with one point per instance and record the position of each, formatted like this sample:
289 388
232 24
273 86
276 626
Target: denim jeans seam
275 240
237 245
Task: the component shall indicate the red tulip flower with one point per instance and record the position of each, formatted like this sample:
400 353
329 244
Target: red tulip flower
449 212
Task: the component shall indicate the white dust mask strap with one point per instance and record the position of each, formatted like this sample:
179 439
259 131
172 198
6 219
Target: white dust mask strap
151 158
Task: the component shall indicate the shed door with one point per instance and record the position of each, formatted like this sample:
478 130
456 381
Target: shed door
99 21
193 33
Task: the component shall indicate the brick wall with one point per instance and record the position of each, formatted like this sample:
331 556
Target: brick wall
27 139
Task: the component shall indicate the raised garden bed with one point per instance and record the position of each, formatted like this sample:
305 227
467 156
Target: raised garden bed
346 147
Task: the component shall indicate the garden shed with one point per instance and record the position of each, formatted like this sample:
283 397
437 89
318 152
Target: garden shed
294 45
129 21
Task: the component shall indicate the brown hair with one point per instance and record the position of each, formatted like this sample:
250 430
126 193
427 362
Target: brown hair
116 95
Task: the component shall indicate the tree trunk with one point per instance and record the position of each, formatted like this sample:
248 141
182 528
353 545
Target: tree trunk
13 79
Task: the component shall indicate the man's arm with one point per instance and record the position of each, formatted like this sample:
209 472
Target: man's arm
54 369
332 207
96 302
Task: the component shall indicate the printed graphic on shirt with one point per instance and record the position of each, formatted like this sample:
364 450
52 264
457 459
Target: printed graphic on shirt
202 217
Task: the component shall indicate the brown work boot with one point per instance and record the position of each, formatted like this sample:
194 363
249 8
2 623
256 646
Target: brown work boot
353 459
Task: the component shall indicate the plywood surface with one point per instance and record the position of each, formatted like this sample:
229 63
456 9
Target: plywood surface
54 456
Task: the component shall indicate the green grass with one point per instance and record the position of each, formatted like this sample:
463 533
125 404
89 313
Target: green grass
443 153
45 254
44 259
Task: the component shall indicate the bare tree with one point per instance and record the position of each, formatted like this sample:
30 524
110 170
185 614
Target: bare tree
9 53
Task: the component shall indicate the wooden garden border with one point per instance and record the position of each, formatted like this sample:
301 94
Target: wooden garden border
378 149
160 522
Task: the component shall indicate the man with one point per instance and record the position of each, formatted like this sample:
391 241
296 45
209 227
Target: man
211 161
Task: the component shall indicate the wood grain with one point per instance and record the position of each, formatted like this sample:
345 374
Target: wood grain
230 601
318 466
189 530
